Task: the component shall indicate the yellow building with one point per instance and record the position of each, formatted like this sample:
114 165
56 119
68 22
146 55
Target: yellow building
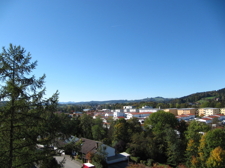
208 111
186 111
171 110
222 111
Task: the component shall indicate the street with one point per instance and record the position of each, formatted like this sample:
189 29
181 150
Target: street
69 163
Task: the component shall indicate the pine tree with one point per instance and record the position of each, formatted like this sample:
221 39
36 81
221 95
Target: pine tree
26 118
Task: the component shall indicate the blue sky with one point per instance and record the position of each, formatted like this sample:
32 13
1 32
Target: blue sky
120 49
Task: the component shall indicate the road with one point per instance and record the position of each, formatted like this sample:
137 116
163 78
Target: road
69 162
75 164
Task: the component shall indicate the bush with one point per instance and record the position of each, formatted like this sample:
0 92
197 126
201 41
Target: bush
135 159
150 162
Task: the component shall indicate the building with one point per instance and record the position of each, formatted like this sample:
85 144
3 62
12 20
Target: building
205 120
171 110
89 145
119 114
222 111
186 111
208 111
127 107
134 110
144 110
186 117
117 110
138 115
110 114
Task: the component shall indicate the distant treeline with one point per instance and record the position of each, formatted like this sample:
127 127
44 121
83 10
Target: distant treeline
197 100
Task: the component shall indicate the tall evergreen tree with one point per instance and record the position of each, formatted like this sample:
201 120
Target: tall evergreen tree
27 117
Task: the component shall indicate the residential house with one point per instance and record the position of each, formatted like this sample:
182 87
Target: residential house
92 146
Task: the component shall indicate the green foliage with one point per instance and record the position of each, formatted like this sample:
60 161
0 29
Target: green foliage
193 136
194 129
72 146
86 123
159 120
98 131
120 131
135 159
26 118
174 150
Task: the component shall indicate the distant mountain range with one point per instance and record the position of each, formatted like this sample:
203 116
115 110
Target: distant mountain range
219 94
156 99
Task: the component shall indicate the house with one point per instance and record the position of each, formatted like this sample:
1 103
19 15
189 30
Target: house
208 111
89 145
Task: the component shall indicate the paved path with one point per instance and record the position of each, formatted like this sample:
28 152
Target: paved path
69 162
118 165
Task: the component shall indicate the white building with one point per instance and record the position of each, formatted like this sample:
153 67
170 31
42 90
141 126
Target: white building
127 107
119 114
138 115
144 110
110 114
205 120
117 110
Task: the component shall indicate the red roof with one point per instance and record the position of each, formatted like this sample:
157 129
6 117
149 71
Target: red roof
146 113
183 115
206 119
219 114
213 116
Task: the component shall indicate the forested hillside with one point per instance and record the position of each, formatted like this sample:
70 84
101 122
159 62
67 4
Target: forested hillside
202 99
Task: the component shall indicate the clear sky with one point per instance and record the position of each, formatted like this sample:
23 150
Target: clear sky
120 49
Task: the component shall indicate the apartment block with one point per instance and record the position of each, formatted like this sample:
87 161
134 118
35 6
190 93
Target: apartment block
171 110
186 111
208 111
222 111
